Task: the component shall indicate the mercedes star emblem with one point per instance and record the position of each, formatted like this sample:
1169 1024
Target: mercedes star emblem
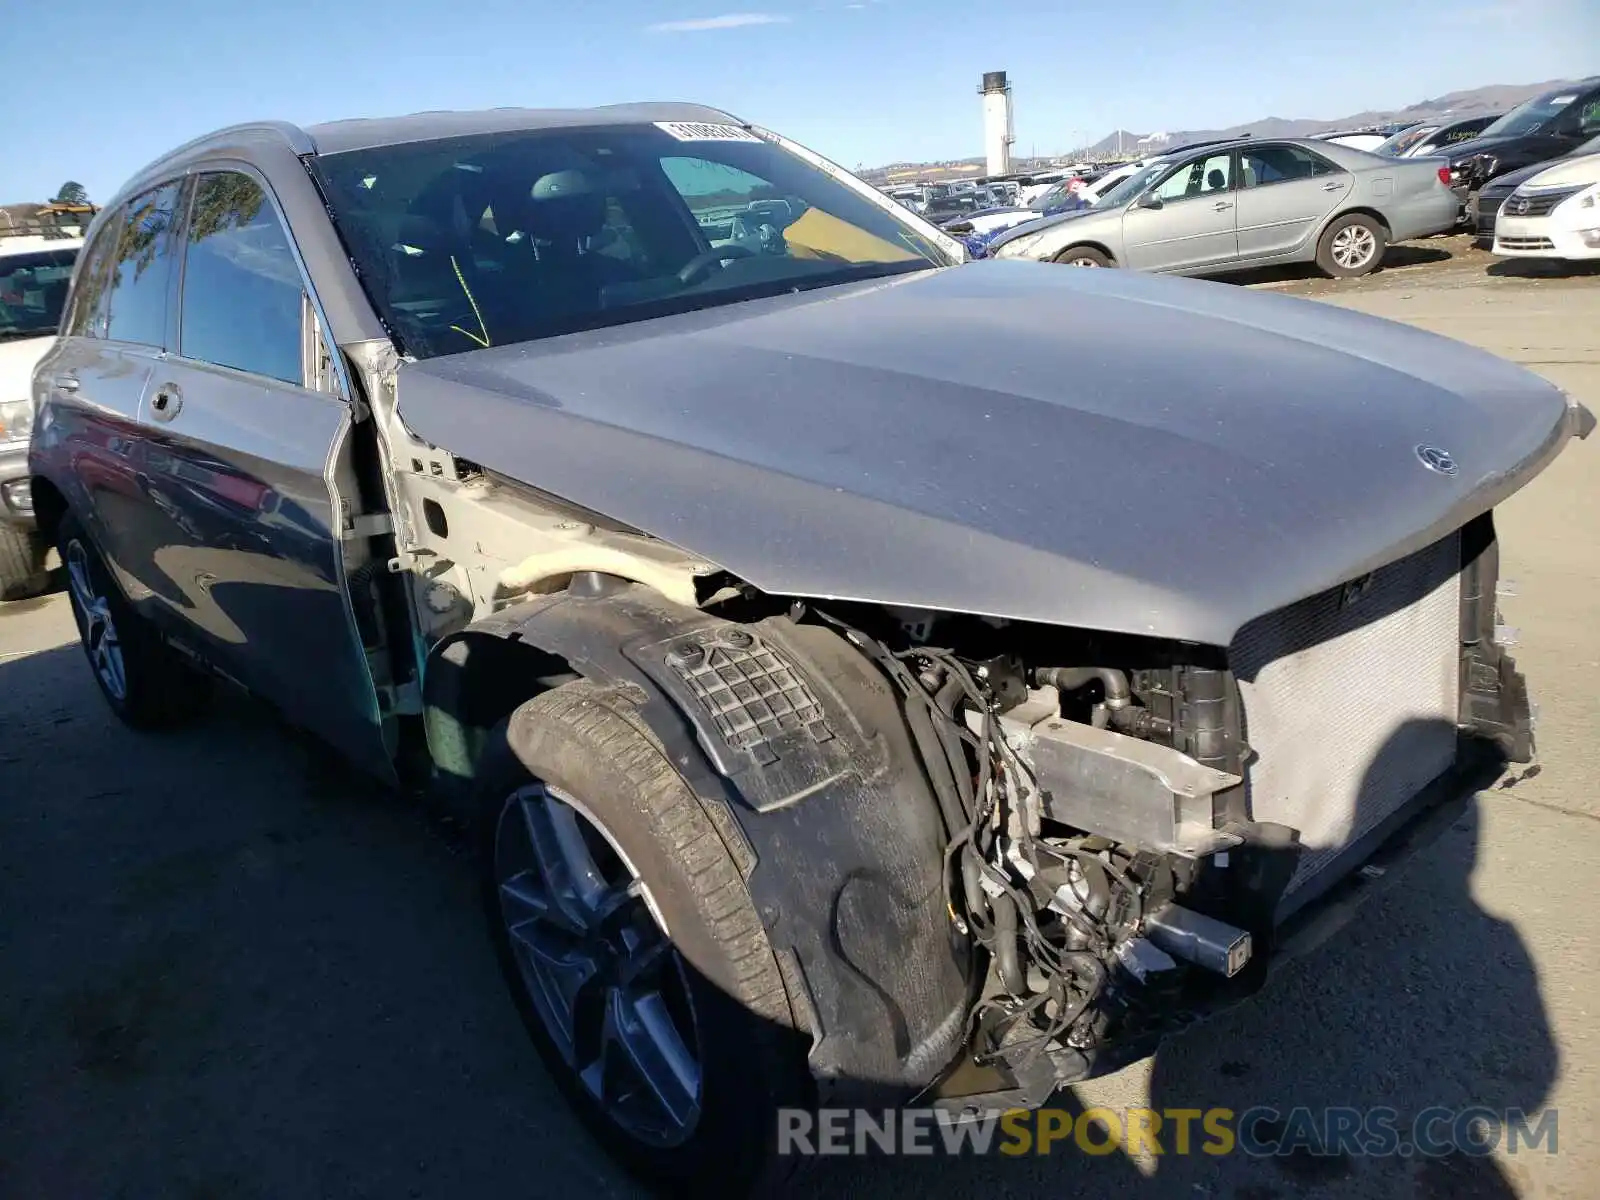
1436 459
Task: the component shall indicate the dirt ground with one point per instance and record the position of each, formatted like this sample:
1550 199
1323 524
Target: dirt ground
229 970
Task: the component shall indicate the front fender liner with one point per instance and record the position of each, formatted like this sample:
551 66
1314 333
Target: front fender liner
797 749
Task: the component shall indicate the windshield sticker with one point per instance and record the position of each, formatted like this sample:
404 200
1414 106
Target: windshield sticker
698 131
1563 99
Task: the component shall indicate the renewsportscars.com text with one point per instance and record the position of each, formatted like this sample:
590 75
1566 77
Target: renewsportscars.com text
1261 1131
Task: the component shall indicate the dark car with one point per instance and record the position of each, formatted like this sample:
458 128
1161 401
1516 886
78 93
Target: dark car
1486 208
1435 137
1535 131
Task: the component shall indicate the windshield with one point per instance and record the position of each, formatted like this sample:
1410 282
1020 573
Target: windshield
1130 187
501 238
33 289
1397 145
1531 115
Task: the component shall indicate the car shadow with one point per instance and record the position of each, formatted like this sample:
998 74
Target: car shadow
1543 268
1407 254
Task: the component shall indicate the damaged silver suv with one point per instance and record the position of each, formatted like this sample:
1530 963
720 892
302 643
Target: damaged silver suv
869 676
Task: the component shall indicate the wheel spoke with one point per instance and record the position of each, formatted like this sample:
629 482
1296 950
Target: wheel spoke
78 580
644 1067
571 880
597 965
523 898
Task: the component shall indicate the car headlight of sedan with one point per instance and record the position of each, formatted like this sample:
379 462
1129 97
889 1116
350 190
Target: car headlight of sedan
1013 247
16 420
1589 198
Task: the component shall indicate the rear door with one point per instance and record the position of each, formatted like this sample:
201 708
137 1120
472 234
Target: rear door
243 458
117 330
1286 191
1193 225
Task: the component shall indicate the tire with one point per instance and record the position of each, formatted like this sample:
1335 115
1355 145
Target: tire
1351 246
577 757
1083 256
22 572
146 682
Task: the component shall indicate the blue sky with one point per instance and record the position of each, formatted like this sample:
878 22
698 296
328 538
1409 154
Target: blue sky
862 81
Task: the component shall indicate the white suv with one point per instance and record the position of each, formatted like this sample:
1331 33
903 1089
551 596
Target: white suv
34 274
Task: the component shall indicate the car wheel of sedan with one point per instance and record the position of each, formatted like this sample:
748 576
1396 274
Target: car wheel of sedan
1353 245
147 683
22 572
632 947
1083 256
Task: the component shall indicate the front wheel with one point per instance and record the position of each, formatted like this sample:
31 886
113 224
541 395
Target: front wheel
632 946
1083 256
1351 246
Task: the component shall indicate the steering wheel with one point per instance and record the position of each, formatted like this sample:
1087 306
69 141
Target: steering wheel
698 264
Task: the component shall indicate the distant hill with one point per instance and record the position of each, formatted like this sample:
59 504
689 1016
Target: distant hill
1494 98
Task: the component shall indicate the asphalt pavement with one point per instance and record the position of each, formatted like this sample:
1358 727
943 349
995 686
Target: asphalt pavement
230 969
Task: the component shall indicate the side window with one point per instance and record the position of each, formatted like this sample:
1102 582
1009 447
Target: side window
86 312
1282 164
241 283
1201 177
141 280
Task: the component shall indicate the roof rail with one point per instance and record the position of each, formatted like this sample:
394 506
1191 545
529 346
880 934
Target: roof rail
298 139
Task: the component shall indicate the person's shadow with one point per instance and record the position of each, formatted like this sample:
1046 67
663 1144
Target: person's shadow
1420 1000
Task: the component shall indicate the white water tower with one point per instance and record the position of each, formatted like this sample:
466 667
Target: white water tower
997 131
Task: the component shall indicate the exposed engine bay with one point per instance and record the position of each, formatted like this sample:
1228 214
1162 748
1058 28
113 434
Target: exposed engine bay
1091 849
1104 846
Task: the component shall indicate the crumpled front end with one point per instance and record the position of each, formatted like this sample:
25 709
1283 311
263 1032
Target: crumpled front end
1167 821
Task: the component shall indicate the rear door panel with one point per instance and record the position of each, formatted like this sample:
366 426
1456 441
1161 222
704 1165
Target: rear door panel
1277 214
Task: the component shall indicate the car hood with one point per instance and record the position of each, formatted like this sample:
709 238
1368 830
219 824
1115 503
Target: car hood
1584 169
1051 220
1511 179
1103 449
1490 145
18 357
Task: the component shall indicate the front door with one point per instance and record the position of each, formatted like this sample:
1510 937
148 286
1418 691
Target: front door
1285 192
243 460
1186 222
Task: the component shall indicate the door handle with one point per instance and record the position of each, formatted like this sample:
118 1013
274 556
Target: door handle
1332 187
164 405
1223 205
65 383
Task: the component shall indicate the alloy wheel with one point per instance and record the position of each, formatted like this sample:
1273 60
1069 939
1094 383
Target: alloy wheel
597 964
100 637
1353 247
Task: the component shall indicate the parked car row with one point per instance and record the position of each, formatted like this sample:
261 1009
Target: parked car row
1248 203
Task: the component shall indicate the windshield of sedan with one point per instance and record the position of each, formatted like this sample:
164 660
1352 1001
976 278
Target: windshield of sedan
33 289
493 239
1531 115
1132 186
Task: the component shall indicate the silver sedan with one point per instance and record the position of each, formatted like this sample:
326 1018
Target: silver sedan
1249 204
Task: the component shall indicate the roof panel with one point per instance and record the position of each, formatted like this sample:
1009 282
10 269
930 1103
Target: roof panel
363 133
